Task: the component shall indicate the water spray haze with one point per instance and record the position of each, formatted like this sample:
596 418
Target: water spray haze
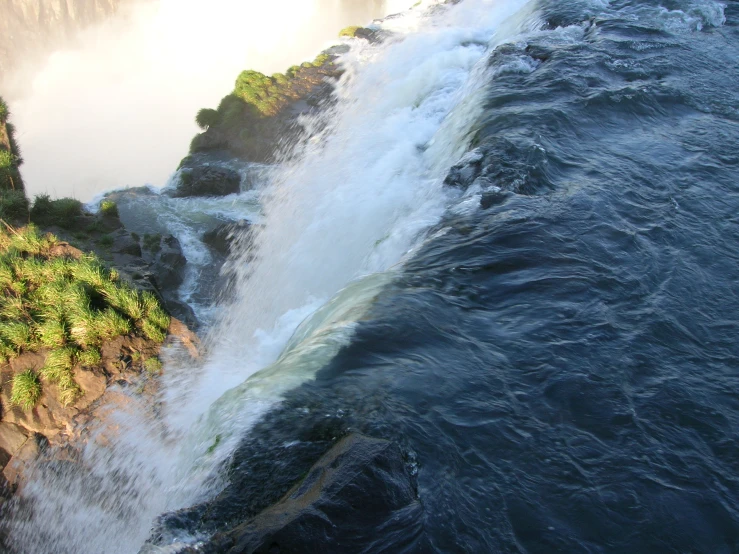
118 109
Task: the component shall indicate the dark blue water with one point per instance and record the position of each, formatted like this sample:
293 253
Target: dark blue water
562 364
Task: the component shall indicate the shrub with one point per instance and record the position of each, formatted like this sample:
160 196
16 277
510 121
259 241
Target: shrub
4 111
26 390
109 208
206 118
13 205
61 212
106 241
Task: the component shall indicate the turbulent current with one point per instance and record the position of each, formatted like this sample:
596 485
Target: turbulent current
511 248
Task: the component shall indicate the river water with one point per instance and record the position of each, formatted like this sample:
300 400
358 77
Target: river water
550 336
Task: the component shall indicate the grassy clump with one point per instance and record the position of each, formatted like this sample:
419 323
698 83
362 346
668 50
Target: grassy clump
62 212
109 208
26 390
4 111
66 305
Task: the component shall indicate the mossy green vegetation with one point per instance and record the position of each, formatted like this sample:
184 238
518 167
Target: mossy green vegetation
255 99
350 31
66 305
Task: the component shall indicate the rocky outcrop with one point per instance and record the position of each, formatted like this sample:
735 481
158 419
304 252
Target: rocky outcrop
30 28
207 180
259 119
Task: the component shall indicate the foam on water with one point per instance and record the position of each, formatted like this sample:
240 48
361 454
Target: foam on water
336 221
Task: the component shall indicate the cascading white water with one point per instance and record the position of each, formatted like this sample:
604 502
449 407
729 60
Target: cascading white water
337 221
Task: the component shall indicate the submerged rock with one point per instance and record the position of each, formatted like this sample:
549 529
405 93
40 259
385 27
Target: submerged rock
359 490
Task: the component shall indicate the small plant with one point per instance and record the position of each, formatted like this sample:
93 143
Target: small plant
26 390
4 111
109 208
106 241
153 366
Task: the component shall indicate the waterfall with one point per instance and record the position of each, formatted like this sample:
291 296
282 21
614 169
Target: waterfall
337 222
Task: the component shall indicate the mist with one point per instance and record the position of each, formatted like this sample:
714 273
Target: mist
118 110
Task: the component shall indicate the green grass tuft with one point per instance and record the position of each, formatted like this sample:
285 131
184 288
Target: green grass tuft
89 358
26 390
152 331
59 364
153 366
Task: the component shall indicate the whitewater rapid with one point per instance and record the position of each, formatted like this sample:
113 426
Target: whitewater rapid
336 223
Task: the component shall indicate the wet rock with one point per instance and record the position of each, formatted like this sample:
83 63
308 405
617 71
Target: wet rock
124 243
167 262
12 437
222 237
359 490
206 180
466 170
